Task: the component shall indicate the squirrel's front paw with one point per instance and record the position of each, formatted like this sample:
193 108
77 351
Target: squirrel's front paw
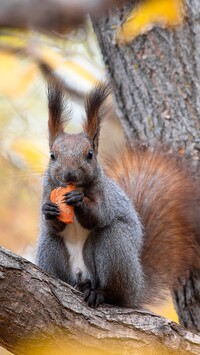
50 210
73 198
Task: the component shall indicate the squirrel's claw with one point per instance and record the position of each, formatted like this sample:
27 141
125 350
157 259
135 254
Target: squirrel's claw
50 210
83 286
73 197
93 297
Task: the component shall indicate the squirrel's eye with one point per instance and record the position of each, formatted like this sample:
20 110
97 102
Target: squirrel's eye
90 154
52 156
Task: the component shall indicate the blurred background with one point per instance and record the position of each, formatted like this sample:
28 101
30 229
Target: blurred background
25 59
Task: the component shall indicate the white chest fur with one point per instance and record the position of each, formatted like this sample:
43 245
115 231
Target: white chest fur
74 237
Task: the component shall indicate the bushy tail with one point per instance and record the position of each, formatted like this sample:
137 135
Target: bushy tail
167 198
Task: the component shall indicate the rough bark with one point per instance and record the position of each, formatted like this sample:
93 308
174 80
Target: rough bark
187 300
40 313
157 90
156 78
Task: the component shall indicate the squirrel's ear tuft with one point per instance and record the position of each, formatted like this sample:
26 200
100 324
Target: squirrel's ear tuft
93 106
57 108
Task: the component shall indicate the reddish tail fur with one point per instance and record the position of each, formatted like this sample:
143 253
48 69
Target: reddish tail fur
167 199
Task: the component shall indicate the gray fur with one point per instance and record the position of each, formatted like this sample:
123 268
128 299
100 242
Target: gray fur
113 248
107 233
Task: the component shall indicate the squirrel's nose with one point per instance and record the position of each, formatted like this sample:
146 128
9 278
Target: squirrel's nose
70 176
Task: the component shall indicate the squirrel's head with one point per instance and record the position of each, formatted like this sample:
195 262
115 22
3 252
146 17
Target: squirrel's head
73 157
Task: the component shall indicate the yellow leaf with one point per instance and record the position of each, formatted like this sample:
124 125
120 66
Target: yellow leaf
32 154
16 75
57 61
14 38
164 13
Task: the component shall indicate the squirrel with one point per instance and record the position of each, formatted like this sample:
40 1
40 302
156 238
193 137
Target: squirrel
136 227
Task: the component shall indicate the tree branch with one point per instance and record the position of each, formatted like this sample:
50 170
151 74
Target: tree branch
49 15
56 15
36 310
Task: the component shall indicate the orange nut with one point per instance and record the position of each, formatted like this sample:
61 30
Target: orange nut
66 212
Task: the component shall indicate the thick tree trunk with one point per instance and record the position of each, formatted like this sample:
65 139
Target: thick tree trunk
156 82
42 315
156 79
